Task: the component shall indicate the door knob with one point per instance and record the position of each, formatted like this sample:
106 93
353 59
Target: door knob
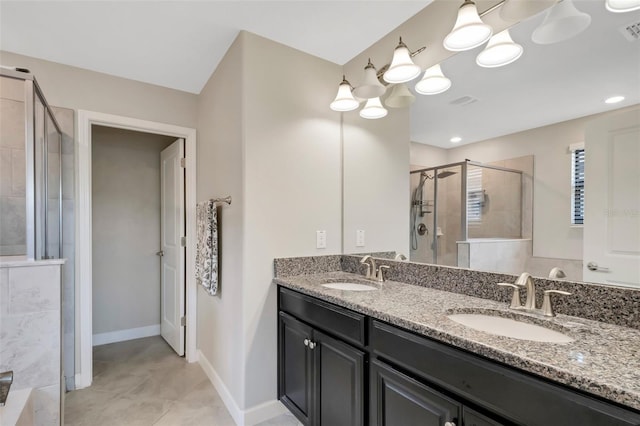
312 345
593 266
160 253
449 424
306 342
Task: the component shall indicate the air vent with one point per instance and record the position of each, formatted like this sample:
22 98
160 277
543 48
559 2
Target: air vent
465 100
631 32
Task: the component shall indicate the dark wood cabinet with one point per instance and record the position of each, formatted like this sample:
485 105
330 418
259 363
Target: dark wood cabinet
320 378
325 378
399 400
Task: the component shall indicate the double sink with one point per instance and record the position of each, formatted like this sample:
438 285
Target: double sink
489 321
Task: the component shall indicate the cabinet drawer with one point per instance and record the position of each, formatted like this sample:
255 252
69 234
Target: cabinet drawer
517 396
332 319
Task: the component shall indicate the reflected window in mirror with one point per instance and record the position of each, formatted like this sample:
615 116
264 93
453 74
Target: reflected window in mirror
577 184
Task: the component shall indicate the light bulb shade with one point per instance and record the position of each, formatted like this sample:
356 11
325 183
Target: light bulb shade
373 109
620 6
433 82
402 68
344 100
517 10
400 97
371 87
500 51
469 30
562 22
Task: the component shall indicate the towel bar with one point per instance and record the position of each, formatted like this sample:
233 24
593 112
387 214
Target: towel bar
226 200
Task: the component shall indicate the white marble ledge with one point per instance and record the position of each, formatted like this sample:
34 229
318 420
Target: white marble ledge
18 409
22 263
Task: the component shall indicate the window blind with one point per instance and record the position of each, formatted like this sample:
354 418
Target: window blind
475 195
577 185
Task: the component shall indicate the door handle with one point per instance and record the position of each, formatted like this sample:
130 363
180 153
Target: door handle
306 342
160 253
593 266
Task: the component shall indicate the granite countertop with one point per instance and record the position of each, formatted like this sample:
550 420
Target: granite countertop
603 360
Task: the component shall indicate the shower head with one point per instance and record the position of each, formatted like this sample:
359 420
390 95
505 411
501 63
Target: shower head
445 174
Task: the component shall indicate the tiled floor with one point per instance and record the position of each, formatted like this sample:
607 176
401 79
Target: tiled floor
143 382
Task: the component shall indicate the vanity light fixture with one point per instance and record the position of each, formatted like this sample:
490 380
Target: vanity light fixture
371 88
402 68
400 97
455 139
614 99
621 6
500 51
373 109
469 31
517 10
433 82
563 21
344 100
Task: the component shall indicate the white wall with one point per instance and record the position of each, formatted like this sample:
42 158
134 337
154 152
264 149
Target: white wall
76 88
220 166
422 155
126 228
292 185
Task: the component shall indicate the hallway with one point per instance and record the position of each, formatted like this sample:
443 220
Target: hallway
143 382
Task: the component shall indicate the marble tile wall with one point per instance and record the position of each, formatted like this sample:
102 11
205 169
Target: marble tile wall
30 333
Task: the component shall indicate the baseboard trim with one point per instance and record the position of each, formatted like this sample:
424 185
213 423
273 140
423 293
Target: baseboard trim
252 416
123 335
225 395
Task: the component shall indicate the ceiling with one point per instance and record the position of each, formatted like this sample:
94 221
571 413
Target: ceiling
178 44
548 84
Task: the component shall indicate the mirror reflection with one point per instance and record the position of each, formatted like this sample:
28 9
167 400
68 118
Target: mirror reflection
498 161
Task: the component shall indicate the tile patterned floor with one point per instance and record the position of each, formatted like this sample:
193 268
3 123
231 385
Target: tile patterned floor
143 382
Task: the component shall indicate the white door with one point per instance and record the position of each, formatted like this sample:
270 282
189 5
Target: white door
172 229
612 200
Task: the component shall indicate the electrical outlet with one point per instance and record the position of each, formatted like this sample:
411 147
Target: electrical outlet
360 238
321 239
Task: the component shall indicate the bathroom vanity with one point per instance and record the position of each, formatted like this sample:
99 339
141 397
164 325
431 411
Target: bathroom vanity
392 356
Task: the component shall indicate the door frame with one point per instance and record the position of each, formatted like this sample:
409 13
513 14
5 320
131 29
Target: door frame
83 228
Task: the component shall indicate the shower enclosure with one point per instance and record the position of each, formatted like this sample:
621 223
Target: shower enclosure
31 180
454 204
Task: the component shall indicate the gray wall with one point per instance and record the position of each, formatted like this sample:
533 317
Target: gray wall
126 228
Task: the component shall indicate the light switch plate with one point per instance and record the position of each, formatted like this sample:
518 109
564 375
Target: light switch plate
360 238
321 239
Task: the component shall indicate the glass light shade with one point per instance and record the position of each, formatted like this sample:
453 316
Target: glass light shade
402 68
373 109
371 88
620 6
500 51
433 82
469 30
400 97
518 10
344 100
562 22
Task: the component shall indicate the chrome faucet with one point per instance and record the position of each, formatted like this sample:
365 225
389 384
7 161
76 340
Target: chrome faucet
371 267
525 280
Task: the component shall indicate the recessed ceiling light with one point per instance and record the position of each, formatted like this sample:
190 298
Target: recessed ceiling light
455 139
614 100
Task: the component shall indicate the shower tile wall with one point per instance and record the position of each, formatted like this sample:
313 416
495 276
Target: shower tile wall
12 169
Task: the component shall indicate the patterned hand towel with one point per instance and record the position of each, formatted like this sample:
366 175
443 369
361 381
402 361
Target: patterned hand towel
207 247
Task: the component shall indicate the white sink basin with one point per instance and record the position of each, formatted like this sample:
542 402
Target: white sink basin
350 286
508 327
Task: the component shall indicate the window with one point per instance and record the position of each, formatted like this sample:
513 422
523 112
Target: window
475 195
577 184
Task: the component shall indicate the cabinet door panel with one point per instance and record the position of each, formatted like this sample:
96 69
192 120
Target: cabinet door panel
295 367
340 392
398 400
473 418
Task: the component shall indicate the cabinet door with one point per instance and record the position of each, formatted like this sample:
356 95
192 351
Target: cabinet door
473 418
295 367
399 400
339 379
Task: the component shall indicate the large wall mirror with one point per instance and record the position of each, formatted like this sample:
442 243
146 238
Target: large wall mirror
507 196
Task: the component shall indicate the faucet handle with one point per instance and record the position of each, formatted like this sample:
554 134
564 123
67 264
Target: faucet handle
380 274
547 307
515 299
